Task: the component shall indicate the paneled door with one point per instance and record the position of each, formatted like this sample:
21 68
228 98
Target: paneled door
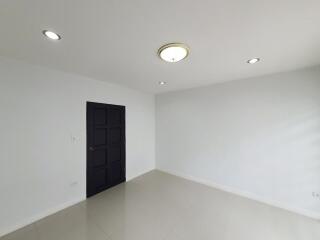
106 146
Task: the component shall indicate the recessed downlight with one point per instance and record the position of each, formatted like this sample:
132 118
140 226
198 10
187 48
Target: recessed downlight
253 60
173 52
51 35
162 83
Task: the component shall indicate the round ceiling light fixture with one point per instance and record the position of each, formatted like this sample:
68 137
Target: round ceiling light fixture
162 83
253 60
173 52
51 35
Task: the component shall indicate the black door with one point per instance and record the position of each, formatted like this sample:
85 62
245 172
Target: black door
105 146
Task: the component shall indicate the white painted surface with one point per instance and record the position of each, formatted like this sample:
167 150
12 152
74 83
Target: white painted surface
43 138
259 137
118 40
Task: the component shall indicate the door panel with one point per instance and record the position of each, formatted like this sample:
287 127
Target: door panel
114 136
100 136
99 157
115 171
100 116
105 146
114 117
114 153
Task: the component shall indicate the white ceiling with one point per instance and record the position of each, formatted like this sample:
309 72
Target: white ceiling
117 40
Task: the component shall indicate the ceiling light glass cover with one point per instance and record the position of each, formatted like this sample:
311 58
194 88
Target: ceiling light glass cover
173 52
253 60
51 35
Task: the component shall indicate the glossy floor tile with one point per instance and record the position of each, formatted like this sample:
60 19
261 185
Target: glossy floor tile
160 206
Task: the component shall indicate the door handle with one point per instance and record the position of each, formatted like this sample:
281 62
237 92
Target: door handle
91 148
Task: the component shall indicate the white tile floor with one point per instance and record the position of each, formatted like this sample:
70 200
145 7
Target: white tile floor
158 206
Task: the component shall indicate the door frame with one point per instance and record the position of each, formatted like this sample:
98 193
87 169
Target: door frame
87 143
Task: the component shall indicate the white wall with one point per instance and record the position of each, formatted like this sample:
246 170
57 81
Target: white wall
256 137
41 169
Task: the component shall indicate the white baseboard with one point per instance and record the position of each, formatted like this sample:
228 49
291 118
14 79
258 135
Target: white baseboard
140 174
27 221
252 196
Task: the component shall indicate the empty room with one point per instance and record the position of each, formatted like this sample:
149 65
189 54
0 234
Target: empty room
159 120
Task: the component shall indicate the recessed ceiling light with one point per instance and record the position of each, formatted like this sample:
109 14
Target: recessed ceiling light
253 60
51 35
162 83
173 52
